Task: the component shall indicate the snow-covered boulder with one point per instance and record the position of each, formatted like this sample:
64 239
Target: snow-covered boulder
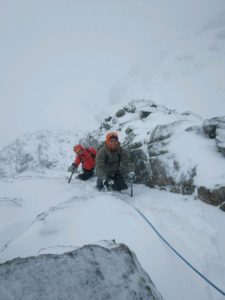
37 152
91 272
212 196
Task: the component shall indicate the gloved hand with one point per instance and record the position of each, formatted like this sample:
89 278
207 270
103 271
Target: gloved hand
70 168
108 183
74 167
131 176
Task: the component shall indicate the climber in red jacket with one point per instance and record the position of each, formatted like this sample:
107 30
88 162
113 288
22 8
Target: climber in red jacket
86 157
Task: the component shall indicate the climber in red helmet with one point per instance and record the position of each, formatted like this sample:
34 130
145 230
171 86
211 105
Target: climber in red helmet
86 157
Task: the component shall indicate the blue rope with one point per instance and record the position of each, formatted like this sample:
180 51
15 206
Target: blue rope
177 253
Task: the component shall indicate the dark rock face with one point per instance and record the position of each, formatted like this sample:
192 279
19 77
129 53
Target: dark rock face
143 171
209 127
160 175
144 114
215 128
120 113
163 132
220 138
108 119
91 272
130 108
214 197
222 206
167 180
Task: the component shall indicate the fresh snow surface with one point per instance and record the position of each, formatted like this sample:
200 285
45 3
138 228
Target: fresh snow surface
42 214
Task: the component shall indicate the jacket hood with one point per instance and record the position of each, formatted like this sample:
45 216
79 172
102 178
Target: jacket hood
109 136
78 147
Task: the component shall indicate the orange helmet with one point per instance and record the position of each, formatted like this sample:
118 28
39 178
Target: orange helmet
110 135
77 148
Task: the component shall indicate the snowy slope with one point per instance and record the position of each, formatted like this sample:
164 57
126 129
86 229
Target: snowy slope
63 217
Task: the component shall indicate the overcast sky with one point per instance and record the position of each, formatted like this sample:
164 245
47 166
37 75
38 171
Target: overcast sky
59 58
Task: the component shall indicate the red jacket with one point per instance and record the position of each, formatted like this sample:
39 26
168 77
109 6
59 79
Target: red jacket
87 159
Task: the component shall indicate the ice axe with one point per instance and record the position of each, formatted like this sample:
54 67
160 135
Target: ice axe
131 187
131 180
74 169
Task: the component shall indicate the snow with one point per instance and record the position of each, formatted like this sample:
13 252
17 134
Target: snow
45 214
202 151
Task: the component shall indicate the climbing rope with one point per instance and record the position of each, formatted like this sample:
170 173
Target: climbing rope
176 252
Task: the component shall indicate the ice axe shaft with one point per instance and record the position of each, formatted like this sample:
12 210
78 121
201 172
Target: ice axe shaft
71 175
131 188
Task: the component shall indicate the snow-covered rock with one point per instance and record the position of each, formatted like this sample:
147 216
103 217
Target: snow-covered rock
91 272
37 152
169 149
215 128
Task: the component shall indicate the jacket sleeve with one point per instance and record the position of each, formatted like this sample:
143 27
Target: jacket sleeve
77 161
126 165
100 164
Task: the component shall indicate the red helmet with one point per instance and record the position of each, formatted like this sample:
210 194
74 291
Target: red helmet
77 148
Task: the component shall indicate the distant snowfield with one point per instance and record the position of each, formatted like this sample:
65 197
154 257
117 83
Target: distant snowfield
45 214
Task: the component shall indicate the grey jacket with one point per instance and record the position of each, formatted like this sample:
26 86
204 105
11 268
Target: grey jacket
109 163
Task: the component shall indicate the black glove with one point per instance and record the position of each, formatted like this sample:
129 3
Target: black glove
131 176
74 167
108 183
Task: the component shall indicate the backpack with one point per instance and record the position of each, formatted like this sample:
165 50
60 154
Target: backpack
91 153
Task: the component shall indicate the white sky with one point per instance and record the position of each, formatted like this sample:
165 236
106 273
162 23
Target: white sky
59 59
